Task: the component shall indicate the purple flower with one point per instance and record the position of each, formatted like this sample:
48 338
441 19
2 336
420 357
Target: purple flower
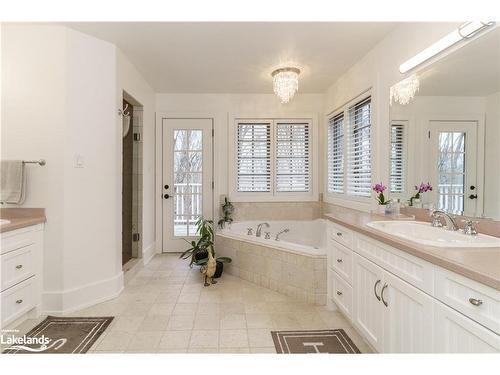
379 188
423 188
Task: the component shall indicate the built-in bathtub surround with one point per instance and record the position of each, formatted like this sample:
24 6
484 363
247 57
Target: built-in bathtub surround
295 265
276 211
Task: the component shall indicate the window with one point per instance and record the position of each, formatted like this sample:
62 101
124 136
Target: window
359 149
349 150
254 157
273 157
292 157
398 158
336 154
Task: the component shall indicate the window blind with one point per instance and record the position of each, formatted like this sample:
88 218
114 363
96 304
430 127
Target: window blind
254 157
292 157
398 159
336 154
359 149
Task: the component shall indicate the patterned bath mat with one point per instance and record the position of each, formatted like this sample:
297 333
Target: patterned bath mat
313 342
61 335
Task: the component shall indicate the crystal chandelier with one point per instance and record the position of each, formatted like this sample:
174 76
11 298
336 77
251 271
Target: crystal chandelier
403 92
285 83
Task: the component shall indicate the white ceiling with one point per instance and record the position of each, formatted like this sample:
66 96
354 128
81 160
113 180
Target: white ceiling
473 70
238 57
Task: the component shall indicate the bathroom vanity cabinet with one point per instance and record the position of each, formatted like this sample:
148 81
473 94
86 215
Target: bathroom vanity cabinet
403 304
21 273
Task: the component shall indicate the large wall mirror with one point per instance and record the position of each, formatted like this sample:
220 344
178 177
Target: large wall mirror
448 132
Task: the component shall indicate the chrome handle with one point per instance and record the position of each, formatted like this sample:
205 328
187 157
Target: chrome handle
382 295
19 266
375 289
339 293
339 234
19 301
249 231
339 260
475 302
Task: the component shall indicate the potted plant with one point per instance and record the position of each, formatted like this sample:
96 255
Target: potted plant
422 188
382 201
202 252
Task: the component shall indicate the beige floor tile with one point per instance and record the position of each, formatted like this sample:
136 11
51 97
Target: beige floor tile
259 321
204 339
189 297
172 350
233 321
126 323
145 341
185 309
208 309
180 322
234 350
163 309
203 350
154 323
206 321
256 307
284 321
260 338
233 338
266 350
175 340
232 308
311 321
115 341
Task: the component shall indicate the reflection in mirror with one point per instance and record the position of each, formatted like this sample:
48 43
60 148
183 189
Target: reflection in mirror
445 130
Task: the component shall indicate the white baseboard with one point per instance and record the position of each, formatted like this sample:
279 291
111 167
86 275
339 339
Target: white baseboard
148 253
68 301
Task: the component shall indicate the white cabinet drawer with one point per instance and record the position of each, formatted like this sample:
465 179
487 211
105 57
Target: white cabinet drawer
413 270
340 234
341 294
472 299
18 300
342 261
17 239
17 266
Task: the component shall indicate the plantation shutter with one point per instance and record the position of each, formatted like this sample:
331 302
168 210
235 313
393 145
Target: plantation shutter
336 154
359 149
254 157
398 159
292 157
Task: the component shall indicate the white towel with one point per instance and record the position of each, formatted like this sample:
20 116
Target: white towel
12 181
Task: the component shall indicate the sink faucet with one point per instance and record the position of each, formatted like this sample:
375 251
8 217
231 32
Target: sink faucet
450 221
286 230
259 229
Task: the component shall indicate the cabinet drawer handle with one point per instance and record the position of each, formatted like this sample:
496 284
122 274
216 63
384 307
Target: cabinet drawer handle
382 295
375 289
339 234
19 301
19 266
339 260
339 293
475 302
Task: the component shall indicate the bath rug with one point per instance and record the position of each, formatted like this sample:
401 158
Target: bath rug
313 342
60 335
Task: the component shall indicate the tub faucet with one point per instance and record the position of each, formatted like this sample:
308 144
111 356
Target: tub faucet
259 229
450 221
286 230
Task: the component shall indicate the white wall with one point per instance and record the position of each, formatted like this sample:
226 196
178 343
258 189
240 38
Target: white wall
222 106
379 70
130 80
59 99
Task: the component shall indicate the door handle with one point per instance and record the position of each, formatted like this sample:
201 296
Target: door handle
382 295
473 196
166 196
375 289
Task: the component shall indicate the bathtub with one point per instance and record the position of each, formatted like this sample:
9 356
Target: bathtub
295 265
305 237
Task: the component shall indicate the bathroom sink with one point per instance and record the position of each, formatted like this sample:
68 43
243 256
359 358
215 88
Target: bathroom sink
4 221
423 233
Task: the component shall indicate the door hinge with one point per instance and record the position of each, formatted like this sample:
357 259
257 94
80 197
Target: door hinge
213 132
136 237
213 185
429 134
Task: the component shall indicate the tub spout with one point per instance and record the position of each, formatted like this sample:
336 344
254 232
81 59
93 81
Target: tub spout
286 230
259 229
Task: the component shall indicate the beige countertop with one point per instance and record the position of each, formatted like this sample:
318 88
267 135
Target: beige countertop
479 264
21 217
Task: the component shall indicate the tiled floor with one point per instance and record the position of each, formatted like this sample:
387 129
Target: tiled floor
165 309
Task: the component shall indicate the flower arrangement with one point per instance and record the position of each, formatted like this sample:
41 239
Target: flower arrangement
422 188
379 189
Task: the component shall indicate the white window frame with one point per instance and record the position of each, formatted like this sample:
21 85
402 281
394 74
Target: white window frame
344 199
273 195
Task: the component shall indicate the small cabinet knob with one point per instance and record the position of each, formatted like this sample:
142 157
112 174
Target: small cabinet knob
19 266
339 234
475 302
19 301
339 293
339 260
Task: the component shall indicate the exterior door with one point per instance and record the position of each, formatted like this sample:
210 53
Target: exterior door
187 179
367 308
408 327
453 160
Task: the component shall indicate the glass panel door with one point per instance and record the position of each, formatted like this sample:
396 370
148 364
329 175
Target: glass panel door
187 179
